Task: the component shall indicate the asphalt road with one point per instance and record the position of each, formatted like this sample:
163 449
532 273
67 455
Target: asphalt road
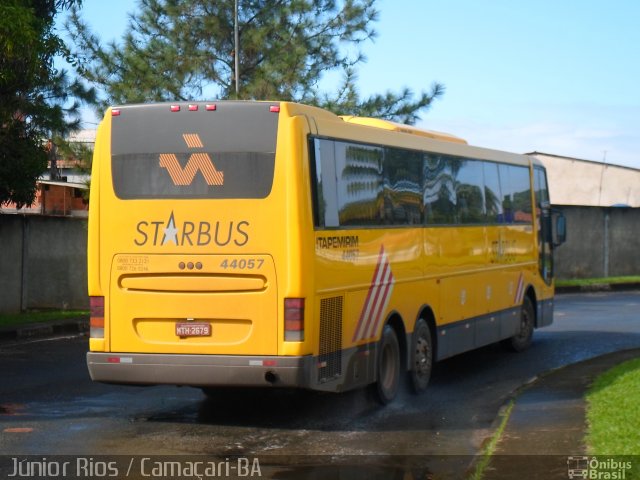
48 405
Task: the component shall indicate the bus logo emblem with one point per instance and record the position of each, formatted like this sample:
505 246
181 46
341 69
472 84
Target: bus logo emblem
198 162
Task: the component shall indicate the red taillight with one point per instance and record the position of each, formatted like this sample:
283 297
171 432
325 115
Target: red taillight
175 108
193 108
294 319
210 107
115 112
96 306
96 320
274 108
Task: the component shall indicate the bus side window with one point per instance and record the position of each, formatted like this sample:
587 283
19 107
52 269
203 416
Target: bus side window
470 192
492 192
325 189
439 189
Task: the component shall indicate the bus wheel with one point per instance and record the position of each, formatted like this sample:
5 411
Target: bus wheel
387 366
422 356
523 339
209 392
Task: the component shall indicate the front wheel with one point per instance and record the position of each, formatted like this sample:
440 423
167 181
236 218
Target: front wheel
387 367
523 338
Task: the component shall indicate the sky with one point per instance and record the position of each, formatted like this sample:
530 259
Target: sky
553 76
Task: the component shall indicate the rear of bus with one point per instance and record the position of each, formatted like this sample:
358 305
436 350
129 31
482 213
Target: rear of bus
193 217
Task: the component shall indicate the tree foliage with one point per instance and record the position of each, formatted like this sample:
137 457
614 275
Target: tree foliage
36 100
179 49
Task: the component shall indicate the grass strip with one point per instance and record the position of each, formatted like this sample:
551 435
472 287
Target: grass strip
490 448
39 316
582 282
613 411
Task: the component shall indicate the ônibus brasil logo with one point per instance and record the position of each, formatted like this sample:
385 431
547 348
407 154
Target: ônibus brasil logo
198 162
200 233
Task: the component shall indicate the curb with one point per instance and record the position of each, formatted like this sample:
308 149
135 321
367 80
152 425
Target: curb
547 425
45 329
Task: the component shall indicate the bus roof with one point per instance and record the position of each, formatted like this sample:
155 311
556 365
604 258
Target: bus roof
399 127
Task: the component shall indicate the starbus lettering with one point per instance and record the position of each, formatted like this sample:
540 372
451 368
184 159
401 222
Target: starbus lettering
187 233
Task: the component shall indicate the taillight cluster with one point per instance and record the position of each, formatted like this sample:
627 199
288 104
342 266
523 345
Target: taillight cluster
294 319
96 320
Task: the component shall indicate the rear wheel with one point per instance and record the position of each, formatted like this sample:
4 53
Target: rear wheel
421 356
523 338
209 392
387 367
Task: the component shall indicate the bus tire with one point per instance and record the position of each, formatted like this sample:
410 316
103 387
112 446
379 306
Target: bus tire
522 340
387 367
421 357
209 392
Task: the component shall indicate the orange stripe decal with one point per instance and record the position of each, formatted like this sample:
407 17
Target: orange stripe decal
519 291
192 140
198 162
377 299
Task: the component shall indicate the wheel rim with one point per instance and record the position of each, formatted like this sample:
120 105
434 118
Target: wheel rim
422 357
526 326
388 368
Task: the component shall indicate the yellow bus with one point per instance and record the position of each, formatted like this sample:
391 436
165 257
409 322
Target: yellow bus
273 244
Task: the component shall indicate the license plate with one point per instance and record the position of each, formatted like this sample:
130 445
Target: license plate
193 329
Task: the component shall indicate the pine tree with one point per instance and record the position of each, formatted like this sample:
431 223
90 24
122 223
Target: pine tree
182 49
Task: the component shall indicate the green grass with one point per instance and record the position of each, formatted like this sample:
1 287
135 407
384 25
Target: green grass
580 282
39 316
613 411
490 447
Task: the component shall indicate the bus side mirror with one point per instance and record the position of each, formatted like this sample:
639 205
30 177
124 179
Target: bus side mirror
561 230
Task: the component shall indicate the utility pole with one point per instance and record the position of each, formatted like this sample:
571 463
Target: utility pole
236 47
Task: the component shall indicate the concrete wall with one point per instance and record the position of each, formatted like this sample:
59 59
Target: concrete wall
42 263
43 259
624 241
11 239
601 242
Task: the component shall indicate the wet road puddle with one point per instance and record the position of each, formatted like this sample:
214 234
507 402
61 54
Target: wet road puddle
12 409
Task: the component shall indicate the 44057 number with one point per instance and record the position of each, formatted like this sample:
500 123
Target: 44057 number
242 264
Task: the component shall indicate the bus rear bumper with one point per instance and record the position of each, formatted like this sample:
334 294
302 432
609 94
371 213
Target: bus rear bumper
200 370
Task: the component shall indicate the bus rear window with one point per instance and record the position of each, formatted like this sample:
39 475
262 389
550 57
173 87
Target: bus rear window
157 153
